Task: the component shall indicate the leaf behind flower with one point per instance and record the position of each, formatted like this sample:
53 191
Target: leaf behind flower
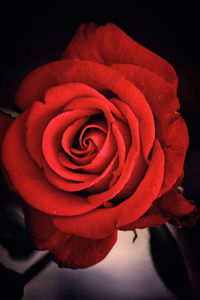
169 262
13 235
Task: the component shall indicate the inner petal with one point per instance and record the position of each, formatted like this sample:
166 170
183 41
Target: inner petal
51 143
108 148
67 157
131 157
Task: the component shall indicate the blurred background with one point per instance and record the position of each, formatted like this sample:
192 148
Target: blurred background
32 35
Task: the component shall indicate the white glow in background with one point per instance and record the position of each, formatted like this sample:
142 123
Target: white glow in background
126 273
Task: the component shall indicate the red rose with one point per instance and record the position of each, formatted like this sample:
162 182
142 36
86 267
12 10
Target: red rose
99 147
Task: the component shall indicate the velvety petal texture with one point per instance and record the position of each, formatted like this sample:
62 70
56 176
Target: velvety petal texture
99 146
109 44
69 251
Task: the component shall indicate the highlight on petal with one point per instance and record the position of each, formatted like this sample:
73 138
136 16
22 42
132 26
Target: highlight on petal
109 44
68 251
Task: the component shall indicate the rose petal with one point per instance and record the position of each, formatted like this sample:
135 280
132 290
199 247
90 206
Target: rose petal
160 94
51 143
29 179
41 229
5 122
108 148
136 176
173 204
173 134
68 251
98 223
170 127
109 44
152 218
73 72
147 191
130 159
67 158
41 114
73 186
101 78
94 135
102 221
130 95
38 118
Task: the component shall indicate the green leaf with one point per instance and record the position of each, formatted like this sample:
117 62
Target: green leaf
169 262
13 235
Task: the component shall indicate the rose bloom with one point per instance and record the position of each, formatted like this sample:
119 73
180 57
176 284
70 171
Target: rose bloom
98 147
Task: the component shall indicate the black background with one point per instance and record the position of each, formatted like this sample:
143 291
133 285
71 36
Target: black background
32 35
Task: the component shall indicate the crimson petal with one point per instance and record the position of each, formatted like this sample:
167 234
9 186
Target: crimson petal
5 122
173 204
29 179
160 94
152 218
73 186
173 134
68 251
170 127
147 191
101 222
109 44
84 73
51 143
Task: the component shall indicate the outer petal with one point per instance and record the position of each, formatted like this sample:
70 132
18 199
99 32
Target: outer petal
68 250
173 135
109 44
160 94
101 78
98 223
173 204
147 191
103 221
5 122
29 179
152 218
170 127
40 113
